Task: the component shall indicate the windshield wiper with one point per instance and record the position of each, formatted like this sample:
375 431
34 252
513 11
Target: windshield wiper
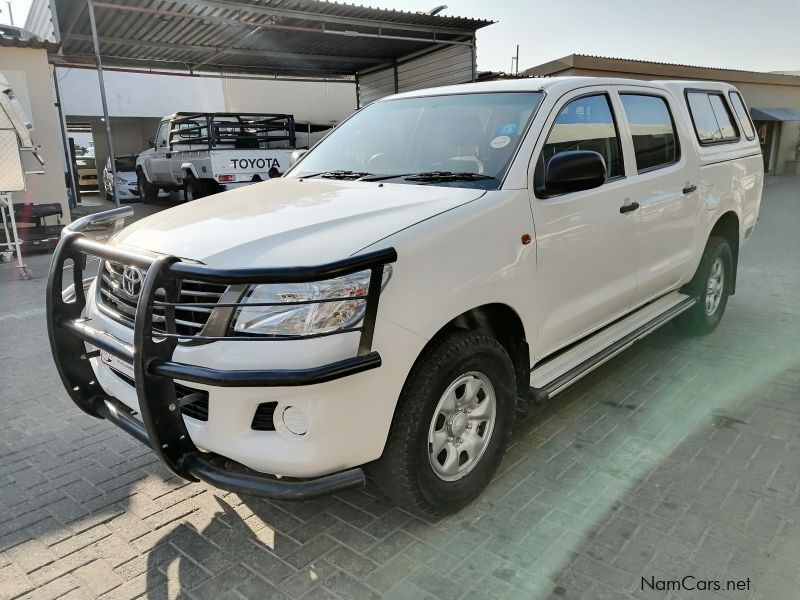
447 176
338 174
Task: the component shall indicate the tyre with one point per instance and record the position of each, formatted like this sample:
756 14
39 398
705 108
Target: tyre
148 192
451 426
711 286
194 189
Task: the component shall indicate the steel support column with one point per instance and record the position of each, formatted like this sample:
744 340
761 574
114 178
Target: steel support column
107 119
73 182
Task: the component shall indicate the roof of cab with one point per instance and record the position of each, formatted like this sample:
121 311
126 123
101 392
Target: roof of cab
556 84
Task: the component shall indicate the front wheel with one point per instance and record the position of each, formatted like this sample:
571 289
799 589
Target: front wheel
147 191
451 425
712 286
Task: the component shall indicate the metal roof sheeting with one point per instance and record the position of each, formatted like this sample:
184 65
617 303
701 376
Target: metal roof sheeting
656 70
280 37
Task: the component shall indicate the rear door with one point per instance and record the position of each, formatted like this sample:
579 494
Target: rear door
663 182
586 248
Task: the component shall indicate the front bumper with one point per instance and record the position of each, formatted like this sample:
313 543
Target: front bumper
162 425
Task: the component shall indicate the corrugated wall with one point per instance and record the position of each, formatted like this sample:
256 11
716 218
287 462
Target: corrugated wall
448 66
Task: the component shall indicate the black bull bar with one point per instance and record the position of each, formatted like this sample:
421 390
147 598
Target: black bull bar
162 426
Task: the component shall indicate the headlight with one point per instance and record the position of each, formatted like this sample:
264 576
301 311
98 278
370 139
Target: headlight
311 308
120 181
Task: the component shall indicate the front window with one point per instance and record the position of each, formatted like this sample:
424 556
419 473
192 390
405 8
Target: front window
161 136
458 140
585 123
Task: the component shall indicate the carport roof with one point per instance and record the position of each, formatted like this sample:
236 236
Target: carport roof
307 38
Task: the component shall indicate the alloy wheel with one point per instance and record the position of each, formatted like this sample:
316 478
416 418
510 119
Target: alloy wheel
462 426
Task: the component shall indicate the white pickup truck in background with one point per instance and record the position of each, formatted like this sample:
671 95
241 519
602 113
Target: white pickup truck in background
206 153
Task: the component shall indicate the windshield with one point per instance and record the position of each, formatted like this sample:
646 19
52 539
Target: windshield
125 163
457 140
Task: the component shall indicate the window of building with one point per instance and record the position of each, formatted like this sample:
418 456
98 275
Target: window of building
654 136
585 123
742 115
711 117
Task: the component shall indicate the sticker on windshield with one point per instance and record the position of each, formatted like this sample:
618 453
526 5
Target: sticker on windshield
507 129
501 141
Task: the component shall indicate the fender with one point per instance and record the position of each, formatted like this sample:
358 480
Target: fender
143 165
188 167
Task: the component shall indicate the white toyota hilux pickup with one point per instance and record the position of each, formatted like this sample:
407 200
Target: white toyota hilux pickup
439 257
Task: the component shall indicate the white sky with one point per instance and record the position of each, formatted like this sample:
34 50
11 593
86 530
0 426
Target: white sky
759 35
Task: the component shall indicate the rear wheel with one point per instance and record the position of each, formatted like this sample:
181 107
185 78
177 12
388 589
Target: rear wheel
194 189
712 285
451 426
147 191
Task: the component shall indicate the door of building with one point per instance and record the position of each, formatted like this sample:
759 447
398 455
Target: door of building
766 136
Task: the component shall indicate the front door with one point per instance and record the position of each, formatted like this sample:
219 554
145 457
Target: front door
160 159
586 248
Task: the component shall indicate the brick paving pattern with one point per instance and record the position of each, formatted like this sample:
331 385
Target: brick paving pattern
679 457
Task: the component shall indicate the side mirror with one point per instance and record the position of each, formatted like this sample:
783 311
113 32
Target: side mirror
151 142
296 156
573 171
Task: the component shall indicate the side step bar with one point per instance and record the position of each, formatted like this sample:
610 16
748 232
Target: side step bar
568 366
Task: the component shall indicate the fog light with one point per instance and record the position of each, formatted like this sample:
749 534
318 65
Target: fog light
295 420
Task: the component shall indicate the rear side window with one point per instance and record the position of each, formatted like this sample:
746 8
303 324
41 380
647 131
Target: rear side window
712 118
742 115
654 137
585 123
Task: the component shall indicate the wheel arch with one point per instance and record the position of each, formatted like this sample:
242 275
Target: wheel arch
728 227
504 324
188 168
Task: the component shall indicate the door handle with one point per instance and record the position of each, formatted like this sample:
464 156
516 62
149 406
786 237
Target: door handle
626 208
689 189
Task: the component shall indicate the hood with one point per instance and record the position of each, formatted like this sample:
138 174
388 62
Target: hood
289 222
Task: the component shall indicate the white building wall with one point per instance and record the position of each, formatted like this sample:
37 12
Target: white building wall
137 94
29 75
131 94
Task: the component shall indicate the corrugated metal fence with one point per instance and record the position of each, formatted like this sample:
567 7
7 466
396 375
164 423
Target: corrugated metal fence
454 64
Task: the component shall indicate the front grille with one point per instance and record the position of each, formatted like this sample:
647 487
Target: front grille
197 409
188 320
263 419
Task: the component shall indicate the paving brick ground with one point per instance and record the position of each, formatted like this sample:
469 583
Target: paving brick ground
679 457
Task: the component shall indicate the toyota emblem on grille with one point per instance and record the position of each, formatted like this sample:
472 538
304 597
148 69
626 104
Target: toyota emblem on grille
132 279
